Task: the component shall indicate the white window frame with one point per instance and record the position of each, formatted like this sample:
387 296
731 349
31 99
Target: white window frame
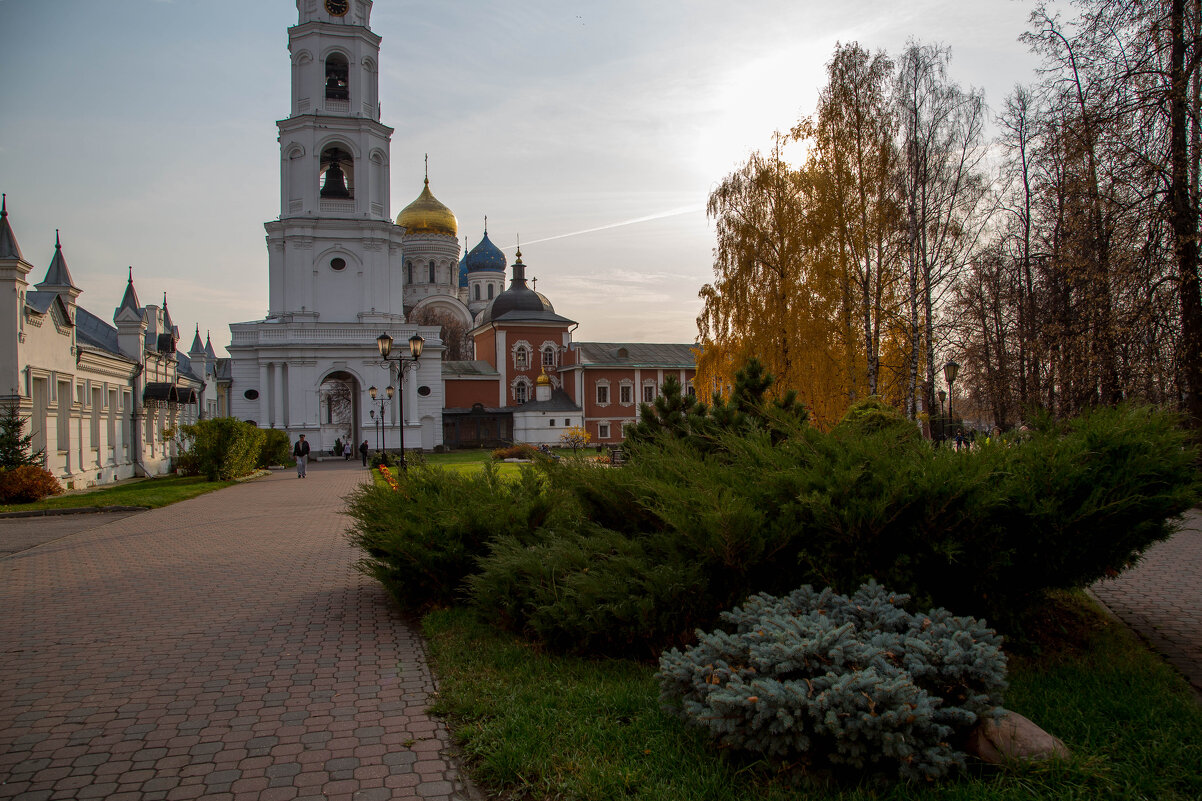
626 393
602 384
603 430
523 350
523 383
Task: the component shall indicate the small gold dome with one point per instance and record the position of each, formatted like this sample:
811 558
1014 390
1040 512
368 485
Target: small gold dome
543 379
427 215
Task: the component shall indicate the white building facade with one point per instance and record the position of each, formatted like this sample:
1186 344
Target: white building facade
101 399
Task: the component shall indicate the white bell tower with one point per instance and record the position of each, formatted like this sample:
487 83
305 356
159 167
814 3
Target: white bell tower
335 276
334 252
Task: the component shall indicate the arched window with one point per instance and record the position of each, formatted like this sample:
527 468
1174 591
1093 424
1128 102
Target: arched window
549 355
338 76
477 291
521 392
490 291
521 358
431 271
337 173
409 268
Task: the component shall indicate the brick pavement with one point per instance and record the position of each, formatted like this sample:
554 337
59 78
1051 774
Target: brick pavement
220 648
1161 598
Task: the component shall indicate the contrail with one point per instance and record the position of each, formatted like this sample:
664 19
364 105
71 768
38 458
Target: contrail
648 218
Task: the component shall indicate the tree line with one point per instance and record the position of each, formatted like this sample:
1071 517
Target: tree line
1054 255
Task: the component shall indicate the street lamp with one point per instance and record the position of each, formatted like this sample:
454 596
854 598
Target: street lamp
942 419
416 343
949 373
380 417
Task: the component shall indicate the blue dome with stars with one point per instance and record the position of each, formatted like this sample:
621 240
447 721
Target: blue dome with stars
486 256
463 272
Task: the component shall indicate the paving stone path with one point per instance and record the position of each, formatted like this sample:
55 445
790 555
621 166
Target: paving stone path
220 648
1161 598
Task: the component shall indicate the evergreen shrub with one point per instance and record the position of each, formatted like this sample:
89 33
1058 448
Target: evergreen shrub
16 447
854 681
589 589
423 540
27 483
988 532
220 448
385 458
277 449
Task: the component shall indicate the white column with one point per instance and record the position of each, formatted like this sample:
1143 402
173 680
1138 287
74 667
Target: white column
502 365
264 394
285 393
277 402
411 396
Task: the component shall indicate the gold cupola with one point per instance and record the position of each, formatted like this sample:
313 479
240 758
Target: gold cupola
543 379
427 215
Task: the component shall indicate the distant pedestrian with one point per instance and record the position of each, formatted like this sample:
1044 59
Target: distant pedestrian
363 451
346 451
959 439
301 451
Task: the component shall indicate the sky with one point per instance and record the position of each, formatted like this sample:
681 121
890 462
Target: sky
144 130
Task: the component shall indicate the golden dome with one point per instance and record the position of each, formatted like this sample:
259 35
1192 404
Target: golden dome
543 379
427 216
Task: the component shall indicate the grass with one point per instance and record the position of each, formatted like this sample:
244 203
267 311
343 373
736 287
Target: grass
472 460
540 726
151 492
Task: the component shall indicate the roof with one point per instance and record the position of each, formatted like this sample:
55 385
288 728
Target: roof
427 215
517 298
183 366
39 301
560 402
636 354
461 369
486 256
197 345
531 317
8 240
163 391
478 409
95 332
58 274
130 299
42 301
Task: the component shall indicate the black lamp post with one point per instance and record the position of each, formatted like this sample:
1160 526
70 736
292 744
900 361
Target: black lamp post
416 343
379 418
942 419
949 372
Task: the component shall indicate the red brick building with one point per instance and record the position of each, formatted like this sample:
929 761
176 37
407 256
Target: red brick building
530 380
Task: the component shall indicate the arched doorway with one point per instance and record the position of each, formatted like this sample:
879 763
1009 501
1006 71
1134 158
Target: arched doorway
339 398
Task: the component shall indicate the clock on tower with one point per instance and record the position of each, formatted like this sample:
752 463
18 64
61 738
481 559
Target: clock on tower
337 8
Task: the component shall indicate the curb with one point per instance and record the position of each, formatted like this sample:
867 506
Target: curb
79 510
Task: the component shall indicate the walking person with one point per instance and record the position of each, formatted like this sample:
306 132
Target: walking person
346 451
301 451
363 451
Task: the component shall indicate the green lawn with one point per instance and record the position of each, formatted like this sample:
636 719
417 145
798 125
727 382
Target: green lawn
151 492
539 726
469 460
